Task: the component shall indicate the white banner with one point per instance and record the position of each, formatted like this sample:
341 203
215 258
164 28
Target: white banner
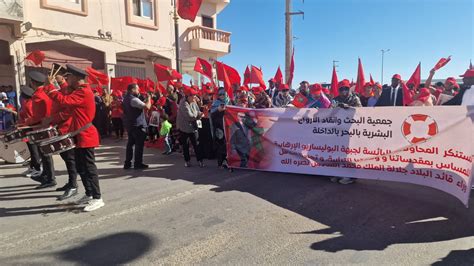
430 146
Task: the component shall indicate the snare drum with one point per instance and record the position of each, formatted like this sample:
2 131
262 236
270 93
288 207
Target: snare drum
57 145
15 152
16 135
42 134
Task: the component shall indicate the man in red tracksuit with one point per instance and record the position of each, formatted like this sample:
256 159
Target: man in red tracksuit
41 105
81 104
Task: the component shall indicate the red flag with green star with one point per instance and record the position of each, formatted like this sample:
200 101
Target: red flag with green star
188 9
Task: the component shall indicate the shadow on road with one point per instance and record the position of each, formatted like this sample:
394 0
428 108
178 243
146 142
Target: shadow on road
458 258
119 248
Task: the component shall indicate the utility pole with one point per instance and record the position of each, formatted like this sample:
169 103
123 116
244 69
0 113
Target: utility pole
289 36
176 36
383 53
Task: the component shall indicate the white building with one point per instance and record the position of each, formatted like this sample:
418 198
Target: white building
119 37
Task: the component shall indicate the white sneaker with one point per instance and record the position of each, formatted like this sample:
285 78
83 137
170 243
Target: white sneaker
29 170
84 200
94 204
34 173
346 181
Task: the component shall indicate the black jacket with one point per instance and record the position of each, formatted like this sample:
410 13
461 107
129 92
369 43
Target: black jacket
385 100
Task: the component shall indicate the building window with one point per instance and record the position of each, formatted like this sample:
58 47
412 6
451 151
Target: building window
142 13
208 22
143 8
77 7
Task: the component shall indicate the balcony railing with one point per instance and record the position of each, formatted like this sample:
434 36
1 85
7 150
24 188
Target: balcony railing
199 32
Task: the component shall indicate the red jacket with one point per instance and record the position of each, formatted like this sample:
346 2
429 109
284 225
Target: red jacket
82 109
41 107
61 116
26 110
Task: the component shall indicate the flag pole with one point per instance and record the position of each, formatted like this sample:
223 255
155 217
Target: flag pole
176 36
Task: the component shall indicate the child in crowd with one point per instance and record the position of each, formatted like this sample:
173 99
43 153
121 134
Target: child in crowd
165 133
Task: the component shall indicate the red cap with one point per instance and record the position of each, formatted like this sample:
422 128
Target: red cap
344 83
244 88
315 89
453 81
257 90
283 87
397 76
189 91
170 82
326 91
468 74
367 84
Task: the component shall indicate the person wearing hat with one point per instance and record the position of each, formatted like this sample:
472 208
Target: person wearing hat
317 99
81 107
466 93
283 98
41 108
188 122
272 90
346 98
376 92
136 125
61 117
26 111
393 95
262 100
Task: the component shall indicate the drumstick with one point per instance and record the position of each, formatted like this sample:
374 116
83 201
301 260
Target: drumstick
51 72
59 68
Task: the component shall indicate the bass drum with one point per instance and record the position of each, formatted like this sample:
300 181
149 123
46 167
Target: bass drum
15 152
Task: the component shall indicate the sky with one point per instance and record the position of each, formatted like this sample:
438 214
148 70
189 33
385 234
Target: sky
343 30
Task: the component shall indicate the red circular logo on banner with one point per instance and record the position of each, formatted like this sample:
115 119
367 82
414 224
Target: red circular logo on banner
419 128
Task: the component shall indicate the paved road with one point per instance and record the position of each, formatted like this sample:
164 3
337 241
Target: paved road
174 215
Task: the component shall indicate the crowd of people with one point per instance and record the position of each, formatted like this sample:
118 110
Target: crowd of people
179 118
183 116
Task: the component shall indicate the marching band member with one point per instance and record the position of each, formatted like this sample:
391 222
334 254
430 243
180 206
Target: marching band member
82 109
41 108
63 119
26 112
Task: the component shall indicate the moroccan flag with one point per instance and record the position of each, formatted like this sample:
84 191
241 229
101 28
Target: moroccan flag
37 57
407 94
334 82
116 84
360 78
227 85
247 76
292 69
188 9
143 84
372 82
278 76
231 72
416 77
256 77
203 67
164 73
300 100
442 62
97 77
